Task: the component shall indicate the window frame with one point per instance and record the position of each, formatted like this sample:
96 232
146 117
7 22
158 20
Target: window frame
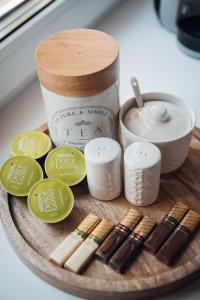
17 65
16 16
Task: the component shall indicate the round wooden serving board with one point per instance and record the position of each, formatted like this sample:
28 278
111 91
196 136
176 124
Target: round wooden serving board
33 241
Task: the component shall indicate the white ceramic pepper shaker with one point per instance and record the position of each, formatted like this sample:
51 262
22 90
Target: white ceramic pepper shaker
142 164
103 164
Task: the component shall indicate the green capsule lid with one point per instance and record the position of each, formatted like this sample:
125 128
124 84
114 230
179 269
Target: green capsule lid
50 200
67 164
19 174
34 144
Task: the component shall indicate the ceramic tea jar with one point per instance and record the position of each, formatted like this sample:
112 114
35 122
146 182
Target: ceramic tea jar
164 120
78 72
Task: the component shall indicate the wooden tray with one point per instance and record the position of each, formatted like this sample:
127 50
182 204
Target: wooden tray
147 278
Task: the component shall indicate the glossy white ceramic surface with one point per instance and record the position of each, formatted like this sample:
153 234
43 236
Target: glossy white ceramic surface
174 151
75 121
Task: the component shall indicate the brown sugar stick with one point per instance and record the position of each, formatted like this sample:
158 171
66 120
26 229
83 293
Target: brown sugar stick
131 247
74 239
118 235
165 227
177 242
83 254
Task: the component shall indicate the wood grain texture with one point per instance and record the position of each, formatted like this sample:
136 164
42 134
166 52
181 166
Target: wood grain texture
33 241
77 62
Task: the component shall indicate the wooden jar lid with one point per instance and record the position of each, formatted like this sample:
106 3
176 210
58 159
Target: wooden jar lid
77 62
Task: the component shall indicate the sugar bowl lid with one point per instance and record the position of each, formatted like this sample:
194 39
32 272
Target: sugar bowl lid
77 62
159 120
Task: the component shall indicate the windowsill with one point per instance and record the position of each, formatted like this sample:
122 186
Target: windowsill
17 51
158 67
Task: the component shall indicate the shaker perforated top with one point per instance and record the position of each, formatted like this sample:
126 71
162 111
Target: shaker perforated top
142 155
102 150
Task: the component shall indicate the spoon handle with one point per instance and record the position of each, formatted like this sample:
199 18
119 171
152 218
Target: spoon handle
136 89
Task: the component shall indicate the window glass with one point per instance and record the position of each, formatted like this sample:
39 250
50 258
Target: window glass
14 13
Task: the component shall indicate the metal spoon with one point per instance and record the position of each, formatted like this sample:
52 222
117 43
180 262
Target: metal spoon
136 90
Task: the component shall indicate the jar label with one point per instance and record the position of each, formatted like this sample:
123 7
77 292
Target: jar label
78 125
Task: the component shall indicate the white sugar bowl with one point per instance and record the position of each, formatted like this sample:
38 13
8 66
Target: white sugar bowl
164 120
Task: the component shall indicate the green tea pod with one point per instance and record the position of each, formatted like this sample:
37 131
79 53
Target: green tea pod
67 164
19 174
34 144
50 200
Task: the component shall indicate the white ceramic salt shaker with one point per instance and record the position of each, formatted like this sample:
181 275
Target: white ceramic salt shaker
142 165
103 164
